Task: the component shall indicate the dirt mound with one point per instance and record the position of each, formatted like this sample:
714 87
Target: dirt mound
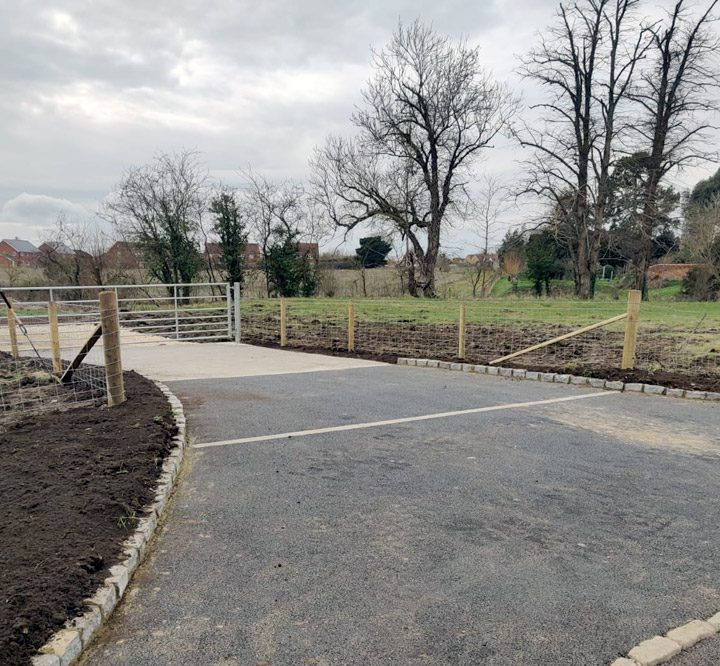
74 484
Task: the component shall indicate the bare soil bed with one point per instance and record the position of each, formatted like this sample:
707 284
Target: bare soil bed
74 484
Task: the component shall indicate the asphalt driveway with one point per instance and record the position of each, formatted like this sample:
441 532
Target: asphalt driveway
556 530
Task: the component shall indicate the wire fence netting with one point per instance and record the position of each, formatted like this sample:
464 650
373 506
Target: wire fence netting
682 339
47 329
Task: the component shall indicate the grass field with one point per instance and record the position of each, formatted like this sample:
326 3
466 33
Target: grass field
680 315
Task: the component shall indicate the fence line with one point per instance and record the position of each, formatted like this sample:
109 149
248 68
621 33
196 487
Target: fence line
53 333
573 335
552 334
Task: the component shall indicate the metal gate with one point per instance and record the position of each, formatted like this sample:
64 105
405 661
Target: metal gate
149 313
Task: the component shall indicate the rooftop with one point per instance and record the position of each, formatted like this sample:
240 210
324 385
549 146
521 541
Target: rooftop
20 245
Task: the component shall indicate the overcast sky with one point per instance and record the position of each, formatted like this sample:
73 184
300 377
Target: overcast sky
91 88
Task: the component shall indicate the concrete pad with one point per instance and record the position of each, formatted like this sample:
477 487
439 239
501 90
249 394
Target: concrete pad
176 361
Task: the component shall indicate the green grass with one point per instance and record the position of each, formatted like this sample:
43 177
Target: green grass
678 315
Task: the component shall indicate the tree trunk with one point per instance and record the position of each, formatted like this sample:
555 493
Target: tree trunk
583 272
364 281
428 260
641 269
412 283
647 227
427 278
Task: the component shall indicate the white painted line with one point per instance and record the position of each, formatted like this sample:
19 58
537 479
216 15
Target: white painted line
407 419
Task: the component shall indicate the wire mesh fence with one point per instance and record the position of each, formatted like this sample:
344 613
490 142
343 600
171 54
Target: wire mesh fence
31 363
684 338
51 326
675 337
48 327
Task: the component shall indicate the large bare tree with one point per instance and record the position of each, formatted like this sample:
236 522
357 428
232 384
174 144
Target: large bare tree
428 112
586 62
677 94
159 207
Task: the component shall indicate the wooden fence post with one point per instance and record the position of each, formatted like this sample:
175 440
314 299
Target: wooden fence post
12 328
461 332
283 323
54 337
110 322
631 326
351 327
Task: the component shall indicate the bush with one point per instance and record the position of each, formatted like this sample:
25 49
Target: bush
289 272
701 284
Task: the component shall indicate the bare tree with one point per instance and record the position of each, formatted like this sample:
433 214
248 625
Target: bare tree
488 208
428 112
159 207
701 234
587 63
279 207
75 253
676 96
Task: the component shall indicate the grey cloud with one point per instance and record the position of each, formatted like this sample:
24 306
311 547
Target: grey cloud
40 209
92 88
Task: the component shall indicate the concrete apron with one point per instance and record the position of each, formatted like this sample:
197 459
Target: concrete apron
177 361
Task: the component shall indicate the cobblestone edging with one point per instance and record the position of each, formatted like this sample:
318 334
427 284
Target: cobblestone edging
66 645
661 649
593 382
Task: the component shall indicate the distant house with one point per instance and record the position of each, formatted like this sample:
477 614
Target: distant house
253 255
310 250
124 255
18 252
57 248
474 259
213 252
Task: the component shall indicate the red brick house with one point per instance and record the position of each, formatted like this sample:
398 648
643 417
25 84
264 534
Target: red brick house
213 252
310 250
18 252
56 248
253 255
124 255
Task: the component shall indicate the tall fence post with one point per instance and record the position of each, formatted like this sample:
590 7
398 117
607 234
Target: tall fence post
461 332
238 329
283 323
351 327
12 328
177 315
110 321
631 326
54 336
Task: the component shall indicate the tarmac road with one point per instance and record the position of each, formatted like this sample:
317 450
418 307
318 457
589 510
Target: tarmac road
556 533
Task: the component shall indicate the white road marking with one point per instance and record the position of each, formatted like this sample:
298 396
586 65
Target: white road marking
407 419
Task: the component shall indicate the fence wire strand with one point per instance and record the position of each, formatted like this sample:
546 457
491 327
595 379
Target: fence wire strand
148 314
688 341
